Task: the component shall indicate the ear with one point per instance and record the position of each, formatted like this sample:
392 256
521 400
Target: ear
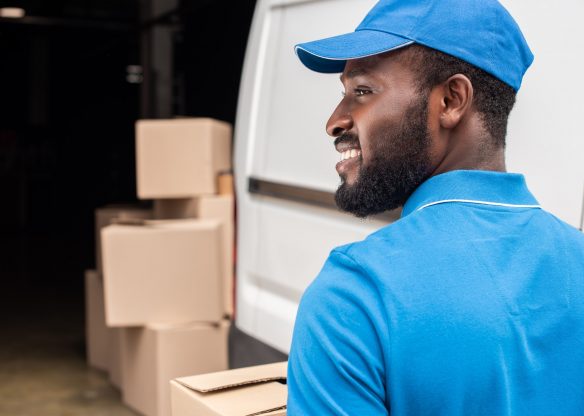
456 101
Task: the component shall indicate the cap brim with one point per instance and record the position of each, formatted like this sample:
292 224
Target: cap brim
330 55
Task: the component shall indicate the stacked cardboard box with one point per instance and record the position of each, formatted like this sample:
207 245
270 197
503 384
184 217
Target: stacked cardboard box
111 214
155 354
103 342
168 281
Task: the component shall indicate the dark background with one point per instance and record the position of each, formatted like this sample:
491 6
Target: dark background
67 116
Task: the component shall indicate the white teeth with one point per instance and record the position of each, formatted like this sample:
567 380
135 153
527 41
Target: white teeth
349 154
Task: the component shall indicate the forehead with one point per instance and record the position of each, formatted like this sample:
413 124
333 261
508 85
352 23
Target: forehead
385 66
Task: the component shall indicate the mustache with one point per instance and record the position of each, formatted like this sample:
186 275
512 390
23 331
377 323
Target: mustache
349 138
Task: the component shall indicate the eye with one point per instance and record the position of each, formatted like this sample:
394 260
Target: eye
359 92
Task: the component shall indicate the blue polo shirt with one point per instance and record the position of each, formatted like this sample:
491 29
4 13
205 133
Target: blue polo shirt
471 304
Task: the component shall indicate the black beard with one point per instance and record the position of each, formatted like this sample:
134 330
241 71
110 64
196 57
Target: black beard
400 163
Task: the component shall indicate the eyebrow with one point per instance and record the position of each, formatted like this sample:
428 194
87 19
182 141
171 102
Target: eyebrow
354 73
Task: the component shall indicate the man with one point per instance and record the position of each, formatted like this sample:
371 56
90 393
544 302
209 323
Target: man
472 302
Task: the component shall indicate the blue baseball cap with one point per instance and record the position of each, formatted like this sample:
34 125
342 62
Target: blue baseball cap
480 32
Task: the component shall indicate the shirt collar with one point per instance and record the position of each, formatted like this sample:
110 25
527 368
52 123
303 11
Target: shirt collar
474 186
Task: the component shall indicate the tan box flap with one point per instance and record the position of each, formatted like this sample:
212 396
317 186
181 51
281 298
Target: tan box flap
222 380
244 400
251 391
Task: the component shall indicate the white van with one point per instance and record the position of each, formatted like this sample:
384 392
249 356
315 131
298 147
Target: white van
284 161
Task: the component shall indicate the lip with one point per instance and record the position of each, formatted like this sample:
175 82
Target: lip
344 166
343 147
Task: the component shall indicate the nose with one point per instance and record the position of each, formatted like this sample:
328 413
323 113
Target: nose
339 122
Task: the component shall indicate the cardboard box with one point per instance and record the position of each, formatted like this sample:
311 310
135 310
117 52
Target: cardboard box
176 208
110 214
180 158
163 271
222 208
242 392
97 334
215 207
154 355
225 186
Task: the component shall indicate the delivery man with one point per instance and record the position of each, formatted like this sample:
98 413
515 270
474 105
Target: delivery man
472 303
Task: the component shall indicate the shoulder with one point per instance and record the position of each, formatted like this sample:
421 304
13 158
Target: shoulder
340 334
391 247
548 223
341 277
358 273
342 293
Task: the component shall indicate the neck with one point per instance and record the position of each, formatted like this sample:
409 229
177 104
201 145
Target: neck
472 152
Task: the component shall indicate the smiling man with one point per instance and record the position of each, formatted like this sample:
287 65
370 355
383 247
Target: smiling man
470 303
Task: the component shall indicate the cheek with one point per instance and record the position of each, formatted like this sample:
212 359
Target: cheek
377 126
367 137
363 122
380 117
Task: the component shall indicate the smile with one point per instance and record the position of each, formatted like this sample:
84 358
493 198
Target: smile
349 160
350 154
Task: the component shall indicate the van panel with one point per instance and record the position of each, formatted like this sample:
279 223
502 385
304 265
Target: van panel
280 138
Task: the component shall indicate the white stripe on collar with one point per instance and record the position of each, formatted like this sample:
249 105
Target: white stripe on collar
470 201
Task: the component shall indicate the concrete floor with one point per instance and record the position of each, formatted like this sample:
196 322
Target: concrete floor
42 358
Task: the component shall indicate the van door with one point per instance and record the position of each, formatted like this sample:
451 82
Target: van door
284 161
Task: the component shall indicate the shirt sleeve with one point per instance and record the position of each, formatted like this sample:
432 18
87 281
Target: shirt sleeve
337 359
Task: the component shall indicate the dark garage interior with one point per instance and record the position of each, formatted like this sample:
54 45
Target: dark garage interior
76 75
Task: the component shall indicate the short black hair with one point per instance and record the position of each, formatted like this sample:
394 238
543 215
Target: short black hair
493 98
